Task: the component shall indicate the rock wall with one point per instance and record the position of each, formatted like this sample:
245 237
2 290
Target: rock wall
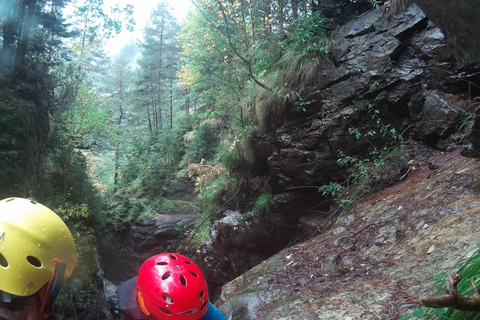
124 252
398 65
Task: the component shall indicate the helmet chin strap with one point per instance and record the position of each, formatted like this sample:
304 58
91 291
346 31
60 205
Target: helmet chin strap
49 292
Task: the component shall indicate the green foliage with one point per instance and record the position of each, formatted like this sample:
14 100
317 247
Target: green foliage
14 135
309 34
364 170
220 189
331 189
376 3
123 210
87 122
213 196
466 119
209 69
97 25
295 69
69 210
261 206
236 149
70 188
202 146
469 269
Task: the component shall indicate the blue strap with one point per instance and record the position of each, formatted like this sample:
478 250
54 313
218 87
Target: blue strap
2 318
213 313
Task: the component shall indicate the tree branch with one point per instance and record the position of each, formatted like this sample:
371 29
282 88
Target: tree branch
247 62
452 299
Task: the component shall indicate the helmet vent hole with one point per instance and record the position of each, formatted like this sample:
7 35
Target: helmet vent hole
162 263
166 275
203 306
193 273
183 281
200 295
165 311
192 311
174 257
167 299
3 261
188 262
34 261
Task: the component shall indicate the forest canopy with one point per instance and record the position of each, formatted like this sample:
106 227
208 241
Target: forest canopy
79 126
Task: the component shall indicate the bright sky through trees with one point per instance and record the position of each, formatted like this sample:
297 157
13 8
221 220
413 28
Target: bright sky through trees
141 13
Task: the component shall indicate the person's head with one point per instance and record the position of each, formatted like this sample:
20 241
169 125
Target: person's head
171 286
37 252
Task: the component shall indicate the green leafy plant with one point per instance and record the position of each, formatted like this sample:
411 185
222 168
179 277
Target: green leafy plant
124 210
376 3
301 105
330 189
363 171
467 119
202 145
309 34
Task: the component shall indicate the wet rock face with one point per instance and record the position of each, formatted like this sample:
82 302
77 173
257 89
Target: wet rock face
238 242
123 253
377 261
396 65
458 19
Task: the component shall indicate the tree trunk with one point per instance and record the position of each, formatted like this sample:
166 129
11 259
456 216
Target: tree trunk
27 24
9 33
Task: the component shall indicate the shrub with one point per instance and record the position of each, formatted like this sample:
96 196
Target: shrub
124 210
236 149
202 144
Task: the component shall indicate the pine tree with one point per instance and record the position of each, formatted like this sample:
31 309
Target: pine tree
159 63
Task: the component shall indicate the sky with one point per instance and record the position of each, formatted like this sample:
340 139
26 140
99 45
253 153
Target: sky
141 14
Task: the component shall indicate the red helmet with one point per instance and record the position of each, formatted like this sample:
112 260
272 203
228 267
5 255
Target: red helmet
171 286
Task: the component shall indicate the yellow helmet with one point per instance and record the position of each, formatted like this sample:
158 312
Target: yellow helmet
33 239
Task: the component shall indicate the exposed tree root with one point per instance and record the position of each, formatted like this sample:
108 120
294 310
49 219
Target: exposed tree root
452 299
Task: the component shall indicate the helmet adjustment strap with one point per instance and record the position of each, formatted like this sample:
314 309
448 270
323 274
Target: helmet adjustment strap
49 293
141 303
5 297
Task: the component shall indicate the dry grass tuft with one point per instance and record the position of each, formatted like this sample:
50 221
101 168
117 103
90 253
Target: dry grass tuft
396 6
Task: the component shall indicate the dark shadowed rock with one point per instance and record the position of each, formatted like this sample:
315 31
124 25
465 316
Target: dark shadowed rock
123 253
458 19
